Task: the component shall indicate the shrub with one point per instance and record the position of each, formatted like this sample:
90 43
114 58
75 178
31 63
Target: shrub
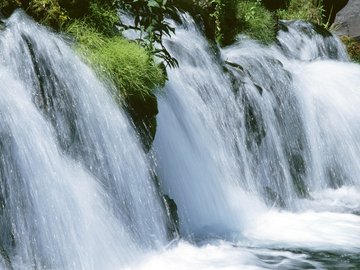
307 10
254 20
103 17
48 12
129 66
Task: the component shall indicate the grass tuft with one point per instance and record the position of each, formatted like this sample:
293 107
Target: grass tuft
256 21
306 10
128 65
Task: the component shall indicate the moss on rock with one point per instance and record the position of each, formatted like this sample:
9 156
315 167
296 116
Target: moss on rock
353 48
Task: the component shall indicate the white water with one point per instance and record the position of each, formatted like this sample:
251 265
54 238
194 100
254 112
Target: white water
256 145
264 155
75 184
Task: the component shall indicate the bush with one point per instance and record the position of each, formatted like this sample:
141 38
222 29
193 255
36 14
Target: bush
254 20
103 17
129 66
306 10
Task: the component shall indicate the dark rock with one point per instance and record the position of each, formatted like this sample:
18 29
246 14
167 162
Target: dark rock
235 65
143 111
347 21
282 26
254 125
298 171
275 4
171 209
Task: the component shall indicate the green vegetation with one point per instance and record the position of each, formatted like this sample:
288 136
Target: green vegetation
224 15
307 10
353 48
125 63
149 18
103 17
232 17
256 21
48 12
129 66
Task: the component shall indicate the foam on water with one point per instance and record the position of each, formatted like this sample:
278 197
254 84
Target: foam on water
226 256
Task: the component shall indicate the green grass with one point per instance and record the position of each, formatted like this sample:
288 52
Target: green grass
254 20
125 63
305 10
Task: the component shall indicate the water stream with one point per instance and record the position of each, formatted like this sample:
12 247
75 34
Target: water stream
257 145
76 189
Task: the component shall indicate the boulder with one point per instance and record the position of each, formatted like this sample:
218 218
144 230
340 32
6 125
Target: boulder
347 21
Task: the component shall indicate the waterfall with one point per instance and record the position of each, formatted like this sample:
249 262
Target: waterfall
257 144
256 154
76 189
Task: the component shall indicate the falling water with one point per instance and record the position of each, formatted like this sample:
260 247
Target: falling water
258 146
76 191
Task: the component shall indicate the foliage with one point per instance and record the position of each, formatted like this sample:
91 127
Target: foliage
225 20
149 19
256 21
102 16
249 17
353 48
307 10
48 12
125 63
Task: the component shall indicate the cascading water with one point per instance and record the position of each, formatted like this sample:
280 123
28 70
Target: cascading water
257 145
76 190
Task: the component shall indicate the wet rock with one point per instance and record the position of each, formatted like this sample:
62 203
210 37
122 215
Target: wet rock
171 209
143 111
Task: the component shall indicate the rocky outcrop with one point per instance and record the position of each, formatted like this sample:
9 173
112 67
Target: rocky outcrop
347 21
